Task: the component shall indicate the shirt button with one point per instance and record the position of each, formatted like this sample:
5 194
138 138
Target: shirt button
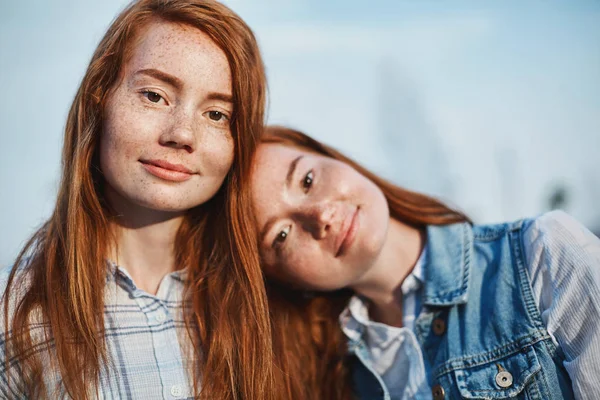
160 317
438 392
176 391
504 379
439 326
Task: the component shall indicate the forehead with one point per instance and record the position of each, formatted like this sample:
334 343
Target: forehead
271 162
269 172
179 49
274 155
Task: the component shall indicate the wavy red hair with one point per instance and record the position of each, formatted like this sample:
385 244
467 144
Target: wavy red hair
310 348
65 260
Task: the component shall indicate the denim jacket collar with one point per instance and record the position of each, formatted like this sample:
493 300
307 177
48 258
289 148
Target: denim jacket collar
450 249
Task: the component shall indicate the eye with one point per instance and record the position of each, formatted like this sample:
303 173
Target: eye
281 236
152 96
217 116
307 181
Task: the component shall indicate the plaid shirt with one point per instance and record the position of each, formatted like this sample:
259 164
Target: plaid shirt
147 343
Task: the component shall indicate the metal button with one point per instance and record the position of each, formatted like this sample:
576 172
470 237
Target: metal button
504 378
438 392
439 326
176 391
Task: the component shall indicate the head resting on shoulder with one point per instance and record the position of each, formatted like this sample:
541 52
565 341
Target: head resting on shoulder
321 219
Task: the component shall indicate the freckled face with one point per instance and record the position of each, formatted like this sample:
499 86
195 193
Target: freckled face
166 142
322 224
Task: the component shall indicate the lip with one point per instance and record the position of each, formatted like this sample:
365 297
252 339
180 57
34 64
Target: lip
167 171
348 233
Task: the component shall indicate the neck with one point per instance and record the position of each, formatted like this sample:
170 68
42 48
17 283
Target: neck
382 283
144 242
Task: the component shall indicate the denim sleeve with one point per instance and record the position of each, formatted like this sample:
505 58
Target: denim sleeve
564 266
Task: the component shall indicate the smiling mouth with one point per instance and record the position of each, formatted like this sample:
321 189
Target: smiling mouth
167 171
349 234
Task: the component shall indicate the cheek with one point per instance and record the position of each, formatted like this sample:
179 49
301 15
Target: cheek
306 263
115 148
126 128
220 154
374 222
107 147
228 153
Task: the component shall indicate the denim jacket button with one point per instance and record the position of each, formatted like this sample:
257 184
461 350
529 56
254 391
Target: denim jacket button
438 392
439 326
504 379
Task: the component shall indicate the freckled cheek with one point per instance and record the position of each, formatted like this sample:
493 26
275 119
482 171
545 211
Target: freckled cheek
126 137
113 150
219 155
265 199
107 149
128 125
346 180
305 259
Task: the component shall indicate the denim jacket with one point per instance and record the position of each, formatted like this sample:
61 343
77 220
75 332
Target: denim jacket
480 332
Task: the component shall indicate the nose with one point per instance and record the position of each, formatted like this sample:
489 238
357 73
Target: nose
317 219
179 134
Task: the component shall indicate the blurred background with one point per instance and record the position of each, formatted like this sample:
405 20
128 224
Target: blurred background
491 106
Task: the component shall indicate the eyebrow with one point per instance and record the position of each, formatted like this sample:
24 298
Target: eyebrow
291 170
161 76
227 98
288 182
178 83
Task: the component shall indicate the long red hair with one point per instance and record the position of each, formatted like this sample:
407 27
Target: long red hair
310 348
56 278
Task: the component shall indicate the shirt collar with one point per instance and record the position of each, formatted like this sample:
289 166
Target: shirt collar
120 275
449 254
442 269
355 317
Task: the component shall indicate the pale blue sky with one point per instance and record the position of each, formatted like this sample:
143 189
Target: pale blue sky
487 106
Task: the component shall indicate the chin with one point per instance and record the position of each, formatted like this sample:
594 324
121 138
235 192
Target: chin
376 225
172 203
170 206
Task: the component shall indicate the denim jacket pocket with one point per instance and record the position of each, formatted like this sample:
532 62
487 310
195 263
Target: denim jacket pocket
503 378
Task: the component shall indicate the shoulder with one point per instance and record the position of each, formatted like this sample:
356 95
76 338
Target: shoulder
21 272
11 294
563 262
4 275
18 286
563 259
556 224
560 237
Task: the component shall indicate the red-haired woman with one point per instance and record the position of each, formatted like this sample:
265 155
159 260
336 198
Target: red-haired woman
429 305
132 288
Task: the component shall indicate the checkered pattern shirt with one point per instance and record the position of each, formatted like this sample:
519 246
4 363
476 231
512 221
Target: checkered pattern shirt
146 340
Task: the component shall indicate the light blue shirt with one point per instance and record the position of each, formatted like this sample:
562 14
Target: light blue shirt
146 341
563 264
